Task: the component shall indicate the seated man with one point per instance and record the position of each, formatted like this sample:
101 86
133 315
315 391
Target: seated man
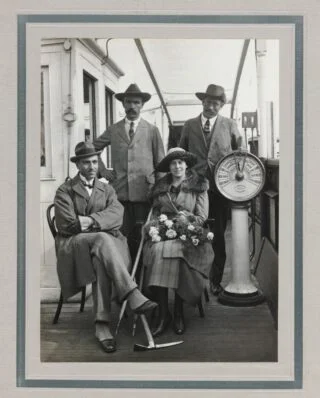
90 248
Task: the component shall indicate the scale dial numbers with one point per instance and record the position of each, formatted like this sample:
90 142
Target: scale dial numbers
240 176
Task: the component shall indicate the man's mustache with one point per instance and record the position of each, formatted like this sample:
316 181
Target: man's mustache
131 111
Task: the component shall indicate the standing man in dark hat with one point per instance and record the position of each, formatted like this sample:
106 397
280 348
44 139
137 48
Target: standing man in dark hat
136 149
89 246
211 136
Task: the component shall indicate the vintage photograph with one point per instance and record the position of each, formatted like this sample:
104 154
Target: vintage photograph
159 200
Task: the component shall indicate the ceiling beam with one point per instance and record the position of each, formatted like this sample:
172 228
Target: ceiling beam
239 73
154 81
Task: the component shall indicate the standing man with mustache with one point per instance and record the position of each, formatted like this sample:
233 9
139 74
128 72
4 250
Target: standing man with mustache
136 149
210 137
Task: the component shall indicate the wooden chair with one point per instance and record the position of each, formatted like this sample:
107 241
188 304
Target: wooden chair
52 226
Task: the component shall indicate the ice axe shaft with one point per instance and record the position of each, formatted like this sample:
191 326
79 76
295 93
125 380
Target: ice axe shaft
151 344
134 270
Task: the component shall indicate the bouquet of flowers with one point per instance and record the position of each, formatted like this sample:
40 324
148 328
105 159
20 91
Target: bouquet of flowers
185 229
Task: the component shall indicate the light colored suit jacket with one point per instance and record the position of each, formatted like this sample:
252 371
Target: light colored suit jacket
133 162
74 263
225 138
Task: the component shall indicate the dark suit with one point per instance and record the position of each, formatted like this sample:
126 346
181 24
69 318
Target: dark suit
225 137
133 163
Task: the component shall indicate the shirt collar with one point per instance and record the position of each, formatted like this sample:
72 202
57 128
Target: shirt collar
211 121
82 178
135 122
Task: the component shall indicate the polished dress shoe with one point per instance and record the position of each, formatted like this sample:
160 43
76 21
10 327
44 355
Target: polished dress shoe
108 345
216 289
145 307
163 325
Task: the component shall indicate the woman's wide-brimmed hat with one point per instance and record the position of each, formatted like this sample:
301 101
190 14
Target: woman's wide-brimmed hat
84 150
213 91
176 153
133 91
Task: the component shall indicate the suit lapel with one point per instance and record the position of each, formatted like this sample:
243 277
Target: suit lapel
122 132
215 132
141 128
80 196
79 188
197 128
96 196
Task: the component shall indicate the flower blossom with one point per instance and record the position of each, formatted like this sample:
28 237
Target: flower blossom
168 223
171 233
156 238
183 237
210 235
195 241
153 231
163 218
191 227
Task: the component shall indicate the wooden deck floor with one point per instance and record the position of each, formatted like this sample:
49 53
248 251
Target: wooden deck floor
226 334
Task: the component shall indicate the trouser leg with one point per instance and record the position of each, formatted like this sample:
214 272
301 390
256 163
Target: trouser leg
101 293
108 255
218 209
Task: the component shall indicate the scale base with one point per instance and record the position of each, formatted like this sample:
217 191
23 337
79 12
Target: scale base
240 299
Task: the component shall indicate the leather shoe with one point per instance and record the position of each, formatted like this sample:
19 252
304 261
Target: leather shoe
145 307
216 289
108 345
179 326
163 325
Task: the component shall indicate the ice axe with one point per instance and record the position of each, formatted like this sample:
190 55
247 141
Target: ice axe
151 344
134 270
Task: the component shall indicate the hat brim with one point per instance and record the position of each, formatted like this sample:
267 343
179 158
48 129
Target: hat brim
74 159
202 96
164 165
145 96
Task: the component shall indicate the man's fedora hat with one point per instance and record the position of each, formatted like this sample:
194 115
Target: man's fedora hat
176 153
84 150
133 91
213 91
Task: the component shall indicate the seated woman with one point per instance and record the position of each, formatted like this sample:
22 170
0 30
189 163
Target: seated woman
178 254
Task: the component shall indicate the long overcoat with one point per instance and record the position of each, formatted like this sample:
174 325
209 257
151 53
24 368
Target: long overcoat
74 265
132 160
225 138
194 261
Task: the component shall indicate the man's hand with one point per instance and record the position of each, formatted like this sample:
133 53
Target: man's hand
85 222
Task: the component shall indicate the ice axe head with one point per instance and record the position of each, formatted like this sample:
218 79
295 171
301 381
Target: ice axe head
141 347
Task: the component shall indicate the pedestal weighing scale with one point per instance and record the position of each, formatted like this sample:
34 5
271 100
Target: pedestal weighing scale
240 177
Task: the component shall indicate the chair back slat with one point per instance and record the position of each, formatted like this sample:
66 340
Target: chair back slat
51 220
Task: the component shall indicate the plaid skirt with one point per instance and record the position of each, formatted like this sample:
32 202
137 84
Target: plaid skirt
173 265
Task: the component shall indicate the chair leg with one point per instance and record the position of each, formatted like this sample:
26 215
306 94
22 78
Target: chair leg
57 314
83 298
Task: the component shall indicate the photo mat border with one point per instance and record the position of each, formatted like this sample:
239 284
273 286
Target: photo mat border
22 21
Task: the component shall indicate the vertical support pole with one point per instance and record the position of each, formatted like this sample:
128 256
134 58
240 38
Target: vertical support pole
261 54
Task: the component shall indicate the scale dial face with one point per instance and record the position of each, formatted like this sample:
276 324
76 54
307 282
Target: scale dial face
239 176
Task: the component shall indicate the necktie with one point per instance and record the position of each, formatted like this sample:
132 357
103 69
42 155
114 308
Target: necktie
206 127
87 185
131 131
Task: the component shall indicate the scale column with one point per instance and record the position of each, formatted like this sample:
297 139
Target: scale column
241 290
